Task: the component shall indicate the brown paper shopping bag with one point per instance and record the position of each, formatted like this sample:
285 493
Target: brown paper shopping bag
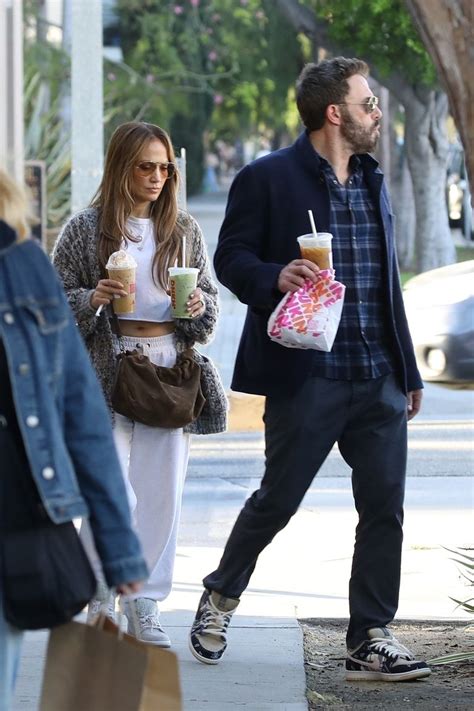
95 668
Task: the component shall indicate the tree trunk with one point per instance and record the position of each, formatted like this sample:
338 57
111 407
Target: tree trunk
427 153
401 191
383 150
405 217
446 28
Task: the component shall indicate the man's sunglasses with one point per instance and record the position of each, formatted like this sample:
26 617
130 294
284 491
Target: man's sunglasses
369 104
147 167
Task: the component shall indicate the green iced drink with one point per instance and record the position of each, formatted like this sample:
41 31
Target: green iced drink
183 281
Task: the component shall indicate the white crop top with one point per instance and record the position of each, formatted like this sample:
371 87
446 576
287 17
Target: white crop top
152 303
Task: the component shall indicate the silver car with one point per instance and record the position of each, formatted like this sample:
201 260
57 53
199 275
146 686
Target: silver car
440 311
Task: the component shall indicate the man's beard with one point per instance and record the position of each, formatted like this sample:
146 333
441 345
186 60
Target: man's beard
359 138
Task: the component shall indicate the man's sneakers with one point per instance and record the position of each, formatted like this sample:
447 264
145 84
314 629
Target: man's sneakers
381 657
144 622
208 636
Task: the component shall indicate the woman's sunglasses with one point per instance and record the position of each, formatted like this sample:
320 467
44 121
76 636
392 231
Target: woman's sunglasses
147 167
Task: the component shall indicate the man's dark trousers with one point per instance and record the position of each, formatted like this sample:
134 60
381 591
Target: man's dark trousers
368 420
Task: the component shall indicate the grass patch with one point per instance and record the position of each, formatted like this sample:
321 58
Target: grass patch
404 276
463 253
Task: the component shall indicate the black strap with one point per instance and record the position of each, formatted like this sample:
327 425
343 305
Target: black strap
118 331
116 323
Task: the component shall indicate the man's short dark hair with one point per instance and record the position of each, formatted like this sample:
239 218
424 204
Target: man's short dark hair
320 85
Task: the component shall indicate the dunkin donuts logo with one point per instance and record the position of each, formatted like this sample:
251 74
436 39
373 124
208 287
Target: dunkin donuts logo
173 292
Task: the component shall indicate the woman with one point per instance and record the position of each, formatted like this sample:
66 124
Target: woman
136 209
58 458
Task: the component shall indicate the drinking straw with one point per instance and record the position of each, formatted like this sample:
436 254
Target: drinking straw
313 226
184 251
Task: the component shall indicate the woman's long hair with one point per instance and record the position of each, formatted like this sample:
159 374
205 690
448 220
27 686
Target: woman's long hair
14 208
115 202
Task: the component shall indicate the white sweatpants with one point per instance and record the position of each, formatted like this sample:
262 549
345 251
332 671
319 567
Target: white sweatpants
154 462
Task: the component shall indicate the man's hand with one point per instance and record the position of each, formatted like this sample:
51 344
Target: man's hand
293 275
414 403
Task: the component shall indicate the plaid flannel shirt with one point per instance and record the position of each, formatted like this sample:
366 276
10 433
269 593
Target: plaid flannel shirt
361 349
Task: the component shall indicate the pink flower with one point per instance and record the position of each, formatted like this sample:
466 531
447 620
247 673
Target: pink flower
218 99
111 76
194 3
178 9
244 2
212 56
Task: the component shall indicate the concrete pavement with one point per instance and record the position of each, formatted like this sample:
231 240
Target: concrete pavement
304 572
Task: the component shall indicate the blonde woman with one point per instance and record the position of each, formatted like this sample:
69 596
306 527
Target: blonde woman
58 459
136 209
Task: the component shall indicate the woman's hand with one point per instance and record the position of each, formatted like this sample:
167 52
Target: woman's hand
129 588
196 304
105 291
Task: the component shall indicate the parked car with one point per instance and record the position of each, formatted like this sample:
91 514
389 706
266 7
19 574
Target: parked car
440 311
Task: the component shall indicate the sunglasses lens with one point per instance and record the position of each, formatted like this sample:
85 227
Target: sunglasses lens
371 104
146 167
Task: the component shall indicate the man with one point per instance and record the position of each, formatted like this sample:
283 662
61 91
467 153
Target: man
359 395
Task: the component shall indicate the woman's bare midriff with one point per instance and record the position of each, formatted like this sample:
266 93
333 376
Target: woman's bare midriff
145 328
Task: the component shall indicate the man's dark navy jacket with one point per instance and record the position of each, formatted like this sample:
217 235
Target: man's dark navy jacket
266 211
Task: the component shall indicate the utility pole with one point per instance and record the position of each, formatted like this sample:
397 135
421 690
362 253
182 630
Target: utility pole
87 101
11 88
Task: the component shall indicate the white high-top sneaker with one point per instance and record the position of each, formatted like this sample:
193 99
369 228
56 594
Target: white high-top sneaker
144 622
103 600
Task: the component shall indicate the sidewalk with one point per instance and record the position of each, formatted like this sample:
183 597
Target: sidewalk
304 573
263 669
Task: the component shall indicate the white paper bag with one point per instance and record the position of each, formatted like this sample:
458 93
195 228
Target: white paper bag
309 317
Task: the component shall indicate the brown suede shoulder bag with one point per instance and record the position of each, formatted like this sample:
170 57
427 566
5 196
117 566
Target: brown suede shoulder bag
154 395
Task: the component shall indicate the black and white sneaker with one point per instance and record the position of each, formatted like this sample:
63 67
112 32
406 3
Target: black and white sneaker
208 636
381 657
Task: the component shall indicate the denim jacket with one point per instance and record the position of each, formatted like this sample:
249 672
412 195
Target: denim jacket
61 412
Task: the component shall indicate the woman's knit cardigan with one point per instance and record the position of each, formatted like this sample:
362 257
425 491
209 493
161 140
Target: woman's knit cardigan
76 259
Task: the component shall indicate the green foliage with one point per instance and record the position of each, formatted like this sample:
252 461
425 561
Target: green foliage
45 67
465 560
218 66
380 31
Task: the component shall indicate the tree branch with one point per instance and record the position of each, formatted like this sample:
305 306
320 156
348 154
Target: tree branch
306 21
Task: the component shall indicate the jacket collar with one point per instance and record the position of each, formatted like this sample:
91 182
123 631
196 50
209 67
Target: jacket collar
7 235
312 161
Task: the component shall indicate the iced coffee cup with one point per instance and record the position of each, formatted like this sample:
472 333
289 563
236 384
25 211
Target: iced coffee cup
317 249
122 267
183 281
